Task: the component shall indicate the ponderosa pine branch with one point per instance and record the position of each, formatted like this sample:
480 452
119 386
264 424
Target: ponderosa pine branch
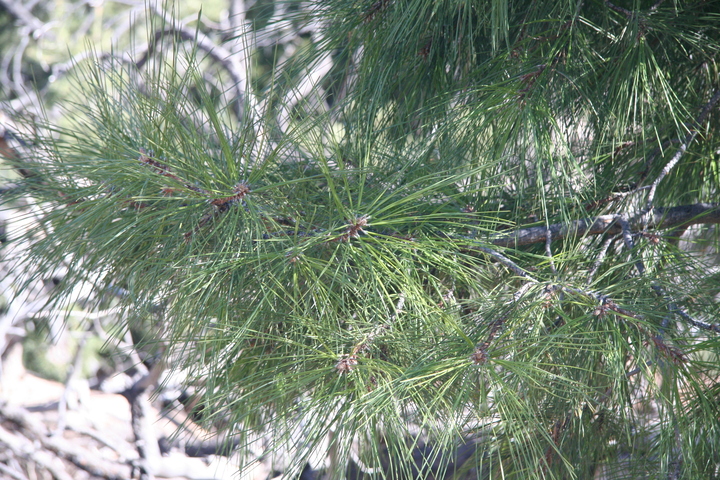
275 329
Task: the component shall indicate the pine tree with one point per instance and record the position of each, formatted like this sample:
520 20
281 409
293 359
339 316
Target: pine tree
479 242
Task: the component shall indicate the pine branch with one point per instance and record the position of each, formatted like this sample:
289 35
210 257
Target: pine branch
344 239
665 217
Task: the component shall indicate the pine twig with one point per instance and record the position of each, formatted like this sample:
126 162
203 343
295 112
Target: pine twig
656 6
601 256
347 362
508 263
713 327
629 243
220 204
615 197
480 355
548 249
622 10
681 151
659 291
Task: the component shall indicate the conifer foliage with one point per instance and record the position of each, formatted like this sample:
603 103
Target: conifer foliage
442 237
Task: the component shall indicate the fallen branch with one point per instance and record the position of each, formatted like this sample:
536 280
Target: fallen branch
32 441
145 441
25 448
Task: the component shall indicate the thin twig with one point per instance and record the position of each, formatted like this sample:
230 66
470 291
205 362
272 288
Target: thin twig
622 10
480 354
656 6
347 362
606 304
615 197
508 263
629 243
640 266
601 257
22 447
713 327
39 444
681 151
145 441
548 249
